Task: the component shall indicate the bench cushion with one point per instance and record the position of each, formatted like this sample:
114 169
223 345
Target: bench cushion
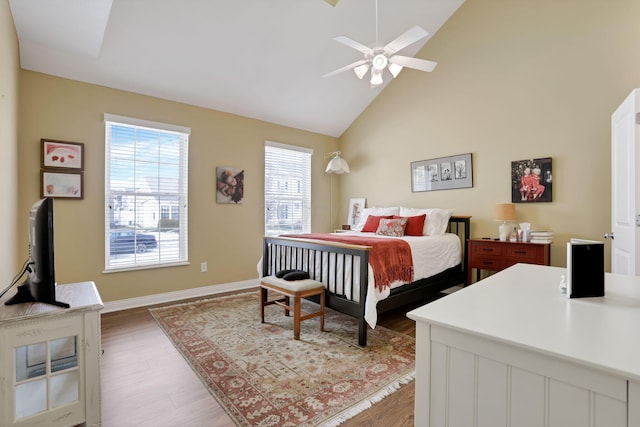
292 285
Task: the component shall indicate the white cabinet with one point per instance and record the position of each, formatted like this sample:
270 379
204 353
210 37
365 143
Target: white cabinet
50 360
512 351
479 382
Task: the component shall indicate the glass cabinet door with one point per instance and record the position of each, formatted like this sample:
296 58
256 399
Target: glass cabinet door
50 361
46 376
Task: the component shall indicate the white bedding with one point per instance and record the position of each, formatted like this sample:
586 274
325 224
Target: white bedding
431 255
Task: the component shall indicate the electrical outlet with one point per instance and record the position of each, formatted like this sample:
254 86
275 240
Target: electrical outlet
203 267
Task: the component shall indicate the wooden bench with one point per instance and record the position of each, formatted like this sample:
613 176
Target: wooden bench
296 289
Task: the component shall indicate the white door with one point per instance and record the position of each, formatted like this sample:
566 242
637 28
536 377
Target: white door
625 137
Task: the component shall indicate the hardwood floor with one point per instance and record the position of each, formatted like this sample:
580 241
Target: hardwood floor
147 383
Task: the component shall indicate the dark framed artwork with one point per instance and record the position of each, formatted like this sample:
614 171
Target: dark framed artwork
62 185
531 180
442 173
62 155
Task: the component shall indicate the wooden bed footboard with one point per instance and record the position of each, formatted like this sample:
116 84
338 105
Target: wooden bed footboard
343 269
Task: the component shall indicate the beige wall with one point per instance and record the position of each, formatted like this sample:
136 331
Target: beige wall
516 80
9 72
227 237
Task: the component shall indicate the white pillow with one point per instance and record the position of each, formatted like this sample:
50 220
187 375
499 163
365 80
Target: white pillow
437 219
376 212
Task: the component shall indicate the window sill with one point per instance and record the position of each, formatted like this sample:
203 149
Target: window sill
145 267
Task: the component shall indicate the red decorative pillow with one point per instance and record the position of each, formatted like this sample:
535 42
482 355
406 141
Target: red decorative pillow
415 224
373 222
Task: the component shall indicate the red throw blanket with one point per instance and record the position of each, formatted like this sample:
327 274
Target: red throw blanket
390 259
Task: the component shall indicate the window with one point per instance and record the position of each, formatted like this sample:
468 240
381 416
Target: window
145 193
287 189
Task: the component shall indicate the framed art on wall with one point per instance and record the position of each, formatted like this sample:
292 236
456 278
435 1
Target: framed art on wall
442 173
62 155
63 185
531 180
229 185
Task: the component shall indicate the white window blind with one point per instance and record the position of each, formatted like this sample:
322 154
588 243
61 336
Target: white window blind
146 188
287 189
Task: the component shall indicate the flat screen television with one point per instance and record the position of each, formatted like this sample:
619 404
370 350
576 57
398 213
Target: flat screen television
40 285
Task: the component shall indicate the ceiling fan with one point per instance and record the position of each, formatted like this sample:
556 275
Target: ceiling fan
379 57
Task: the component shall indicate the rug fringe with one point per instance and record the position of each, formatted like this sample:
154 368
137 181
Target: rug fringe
367 403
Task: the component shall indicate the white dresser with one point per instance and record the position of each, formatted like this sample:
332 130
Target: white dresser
50 360
511 350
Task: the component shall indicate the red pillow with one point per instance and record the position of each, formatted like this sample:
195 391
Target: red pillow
415 225
373 222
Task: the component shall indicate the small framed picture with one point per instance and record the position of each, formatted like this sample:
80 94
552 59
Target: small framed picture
62 155
355 210
63 185
229 185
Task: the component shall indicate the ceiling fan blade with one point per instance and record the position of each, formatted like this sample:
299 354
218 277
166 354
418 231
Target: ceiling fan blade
411 36
415 63
345 68
354 44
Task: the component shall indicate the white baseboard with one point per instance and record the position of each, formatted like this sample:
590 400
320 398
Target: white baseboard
128 303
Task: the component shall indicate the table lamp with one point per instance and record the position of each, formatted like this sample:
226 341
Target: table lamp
505 212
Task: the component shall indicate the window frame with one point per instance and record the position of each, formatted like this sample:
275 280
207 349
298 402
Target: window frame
303 187
181 194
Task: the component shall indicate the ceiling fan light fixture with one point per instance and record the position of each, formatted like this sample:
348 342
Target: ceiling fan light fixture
361 70
395 69
378 58
376 77
379 62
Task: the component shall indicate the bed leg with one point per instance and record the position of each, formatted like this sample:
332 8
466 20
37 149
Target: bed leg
263 299
362 332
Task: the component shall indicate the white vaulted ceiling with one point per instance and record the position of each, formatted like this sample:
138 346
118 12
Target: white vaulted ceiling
262 59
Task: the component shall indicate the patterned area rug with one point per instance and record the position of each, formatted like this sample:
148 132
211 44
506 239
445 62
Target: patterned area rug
263 377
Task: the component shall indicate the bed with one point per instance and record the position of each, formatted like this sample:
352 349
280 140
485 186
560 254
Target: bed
346 271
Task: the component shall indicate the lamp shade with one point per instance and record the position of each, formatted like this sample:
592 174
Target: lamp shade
376 78
337 165
505 212
361 70
395 69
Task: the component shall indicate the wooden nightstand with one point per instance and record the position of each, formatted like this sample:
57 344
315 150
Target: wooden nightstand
484 254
